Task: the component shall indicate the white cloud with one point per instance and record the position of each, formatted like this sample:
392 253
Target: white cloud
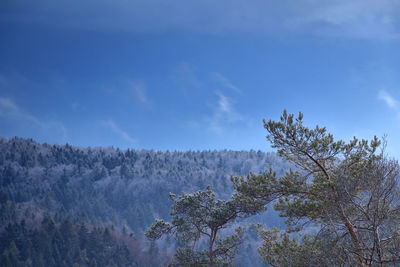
368 19
223 115
130 88
224 104
117 130
139 90
362 19
225 82
6 106
20 118
391 102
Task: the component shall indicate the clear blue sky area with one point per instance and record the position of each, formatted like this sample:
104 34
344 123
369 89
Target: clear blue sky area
182 75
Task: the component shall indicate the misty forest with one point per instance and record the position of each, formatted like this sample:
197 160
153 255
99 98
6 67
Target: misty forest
315 201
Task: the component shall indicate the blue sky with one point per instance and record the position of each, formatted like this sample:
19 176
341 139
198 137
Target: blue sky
180 75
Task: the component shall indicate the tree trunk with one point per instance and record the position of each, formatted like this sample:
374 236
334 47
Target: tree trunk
210 251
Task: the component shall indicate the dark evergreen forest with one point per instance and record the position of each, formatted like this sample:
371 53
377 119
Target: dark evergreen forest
72 206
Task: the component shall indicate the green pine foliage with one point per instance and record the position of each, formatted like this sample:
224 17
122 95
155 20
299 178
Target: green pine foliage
342 200
62 244
200 216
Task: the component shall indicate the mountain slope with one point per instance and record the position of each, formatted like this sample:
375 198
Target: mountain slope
124 188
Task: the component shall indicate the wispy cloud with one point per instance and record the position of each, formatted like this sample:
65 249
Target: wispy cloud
7 106
370 19
225 82
224 104
224 114
117 130
391 102
360 19
139 89
22 119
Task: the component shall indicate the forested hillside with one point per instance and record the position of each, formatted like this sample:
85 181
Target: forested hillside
110 192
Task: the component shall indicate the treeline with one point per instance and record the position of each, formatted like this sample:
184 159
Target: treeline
100 187
118 187
59 240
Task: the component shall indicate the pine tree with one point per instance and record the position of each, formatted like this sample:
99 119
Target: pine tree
349 192
199 215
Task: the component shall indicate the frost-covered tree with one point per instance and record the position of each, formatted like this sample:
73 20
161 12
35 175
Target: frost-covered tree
200 215
126 188
347 192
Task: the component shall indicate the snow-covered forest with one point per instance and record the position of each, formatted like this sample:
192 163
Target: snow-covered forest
123 190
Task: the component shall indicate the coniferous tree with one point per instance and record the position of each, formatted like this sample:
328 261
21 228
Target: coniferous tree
200 215
348 192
